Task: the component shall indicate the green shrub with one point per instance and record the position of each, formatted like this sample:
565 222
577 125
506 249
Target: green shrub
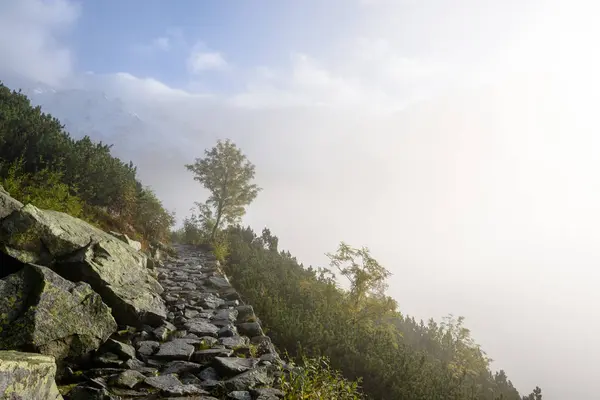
220 248
314 379
43 189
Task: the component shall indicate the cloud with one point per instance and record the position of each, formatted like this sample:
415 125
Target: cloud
371 76
30 39
172 39
162 43
202 59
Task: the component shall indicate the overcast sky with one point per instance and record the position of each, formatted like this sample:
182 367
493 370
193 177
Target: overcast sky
455 138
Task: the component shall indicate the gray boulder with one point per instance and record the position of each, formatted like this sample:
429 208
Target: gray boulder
137 246
7 203
27 376
79 251
42 311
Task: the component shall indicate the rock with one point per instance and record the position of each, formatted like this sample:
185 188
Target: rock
267 394
227 331
182 367
189 379
8 204
220 322
250 329
229 315
209 374
155 252
203 356
245 313
40 310
230 303
171 386
239 395
184 390
264 345
126 239
102 372
201 327
249 379
129 394
190 313
108 360
134 363
147 347
209 300
25 376
127 379
161 333
234 365
230 294
123 350
270 357
218 282
208 342
163 381
233 341
79 251
177 349
90 393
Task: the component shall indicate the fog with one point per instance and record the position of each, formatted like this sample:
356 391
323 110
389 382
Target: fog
477 185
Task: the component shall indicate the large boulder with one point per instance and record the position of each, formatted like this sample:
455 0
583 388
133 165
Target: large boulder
79 251
43 312
126 239
7 203
27 376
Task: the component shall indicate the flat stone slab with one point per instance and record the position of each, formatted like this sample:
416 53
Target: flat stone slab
201 327
178 349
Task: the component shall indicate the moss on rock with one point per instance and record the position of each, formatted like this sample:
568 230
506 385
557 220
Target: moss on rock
79 251
27 376
41 311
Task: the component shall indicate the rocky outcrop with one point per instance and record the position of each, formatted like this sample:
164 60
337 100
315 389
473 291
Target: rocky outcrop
206 349
27 376
7 203
43 312
126 239
182 332
79 251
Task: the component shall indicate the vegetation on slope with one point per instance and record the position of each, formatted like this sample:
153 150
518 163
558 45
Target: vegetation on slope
340 337
308 314
42 164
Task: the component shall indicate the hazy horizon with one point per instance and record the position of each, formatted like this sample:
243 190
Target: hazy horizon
457 140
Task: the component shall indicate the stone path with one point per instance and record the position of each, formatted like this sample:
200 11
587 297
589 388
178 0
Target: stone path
210 347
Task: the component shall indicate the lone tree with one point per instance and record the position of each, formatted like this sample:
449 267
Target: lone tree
227 174
367 279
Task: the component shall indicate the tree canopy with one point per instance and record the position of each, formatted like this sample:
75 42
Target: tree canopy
227 174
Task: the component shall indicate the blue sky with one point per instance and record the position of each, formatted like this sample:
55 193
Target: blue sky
247 34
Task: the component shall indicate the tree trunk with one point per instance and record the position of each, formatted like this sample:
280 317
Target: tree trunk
217 222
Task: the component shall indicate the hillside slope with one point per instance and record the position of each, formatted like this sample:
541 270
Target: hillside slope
304 310
40 163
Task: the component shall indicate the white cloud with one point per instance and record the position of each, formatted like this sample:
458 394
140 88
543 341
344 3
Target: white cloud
173 38
30 39
162 43
201 60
